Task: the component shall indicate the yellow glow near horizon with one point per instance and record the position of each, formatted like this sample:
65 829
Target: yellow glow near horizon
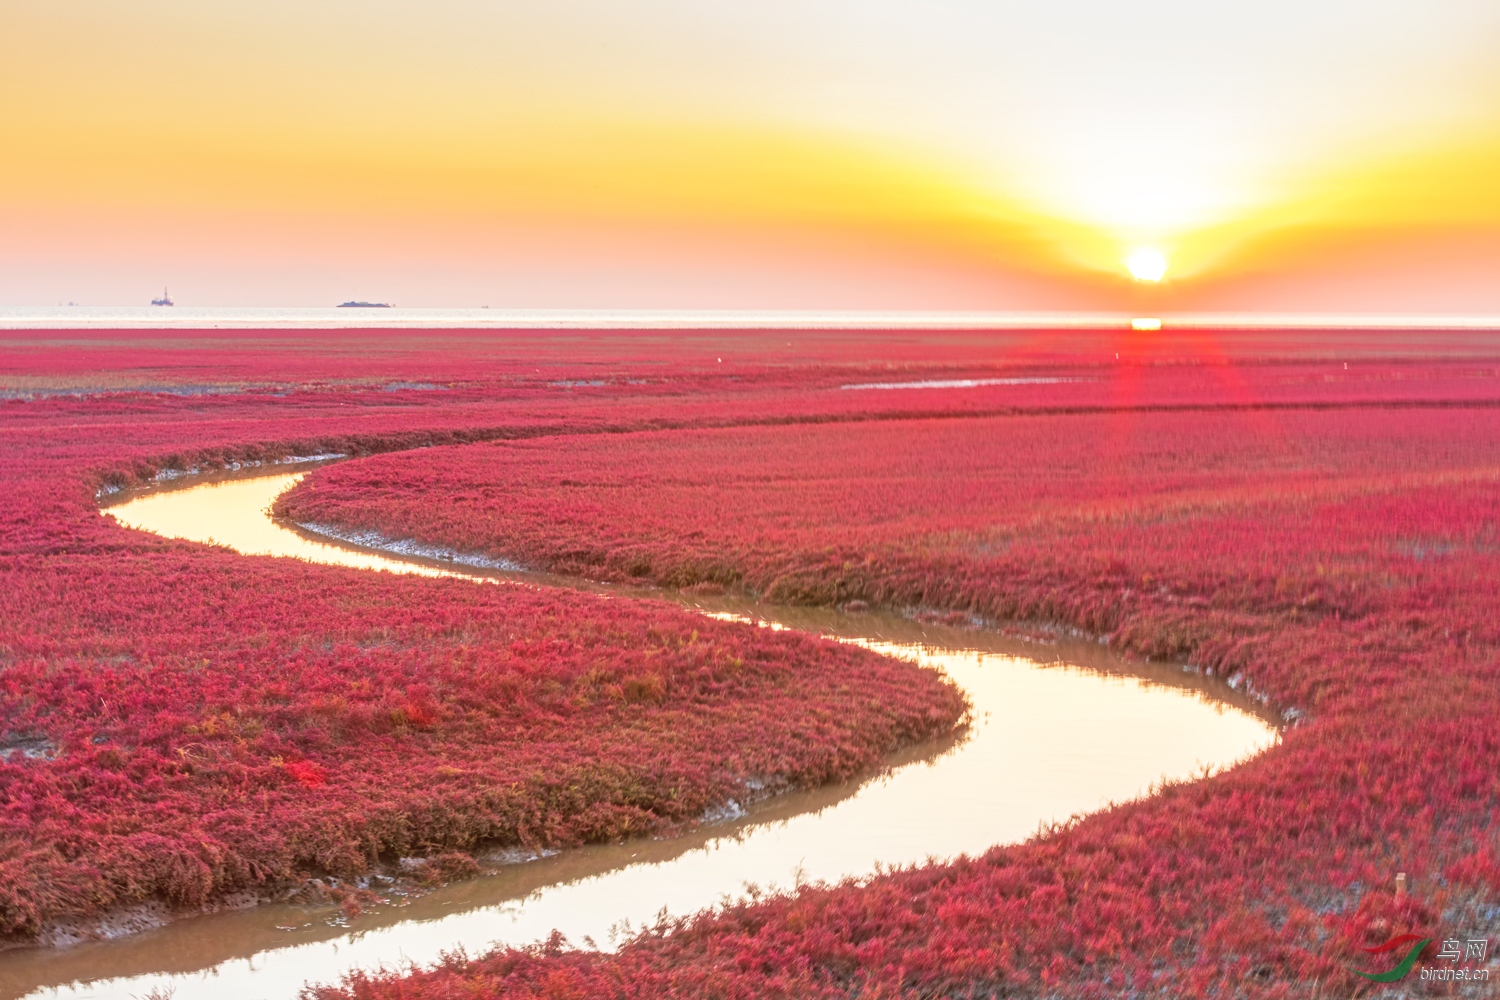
995 155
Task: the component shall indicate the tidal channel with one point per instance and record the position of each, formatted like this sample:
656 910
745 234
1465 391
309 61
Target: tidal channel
1058 729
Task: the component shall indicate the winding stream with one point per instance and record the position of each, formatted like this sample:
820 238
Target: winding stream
1058 729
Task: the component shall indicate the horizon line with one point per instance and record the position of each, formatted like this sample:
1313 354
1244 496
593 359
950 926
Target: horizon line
394 317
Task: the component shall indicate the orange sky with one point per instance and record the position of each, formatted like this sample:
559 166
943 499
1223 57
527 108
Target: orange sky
1311 156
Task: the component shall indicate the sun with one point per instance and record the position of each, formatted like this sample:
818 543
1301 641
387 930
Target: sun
1146 264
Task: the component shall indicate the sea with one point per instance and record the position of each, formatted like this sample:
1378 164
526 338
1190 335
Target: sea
313 317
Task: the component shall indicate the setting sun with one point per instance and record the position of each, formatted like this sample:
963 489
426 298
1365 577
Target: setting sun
1146 264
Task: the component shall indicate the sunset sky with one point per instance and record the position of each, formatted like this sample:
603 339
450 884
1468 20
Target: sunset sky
1280 155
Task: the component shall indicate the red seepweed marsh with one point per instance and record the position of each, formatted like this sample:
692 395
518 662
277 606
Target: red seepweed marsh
1322 545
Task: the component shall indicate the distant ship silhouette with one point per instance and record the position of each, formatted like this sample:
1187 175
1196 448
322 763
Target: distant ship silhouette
364 305
165 300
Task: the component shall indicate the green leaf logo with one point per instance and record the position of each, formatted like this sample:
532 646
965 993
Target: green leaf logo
1400 971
